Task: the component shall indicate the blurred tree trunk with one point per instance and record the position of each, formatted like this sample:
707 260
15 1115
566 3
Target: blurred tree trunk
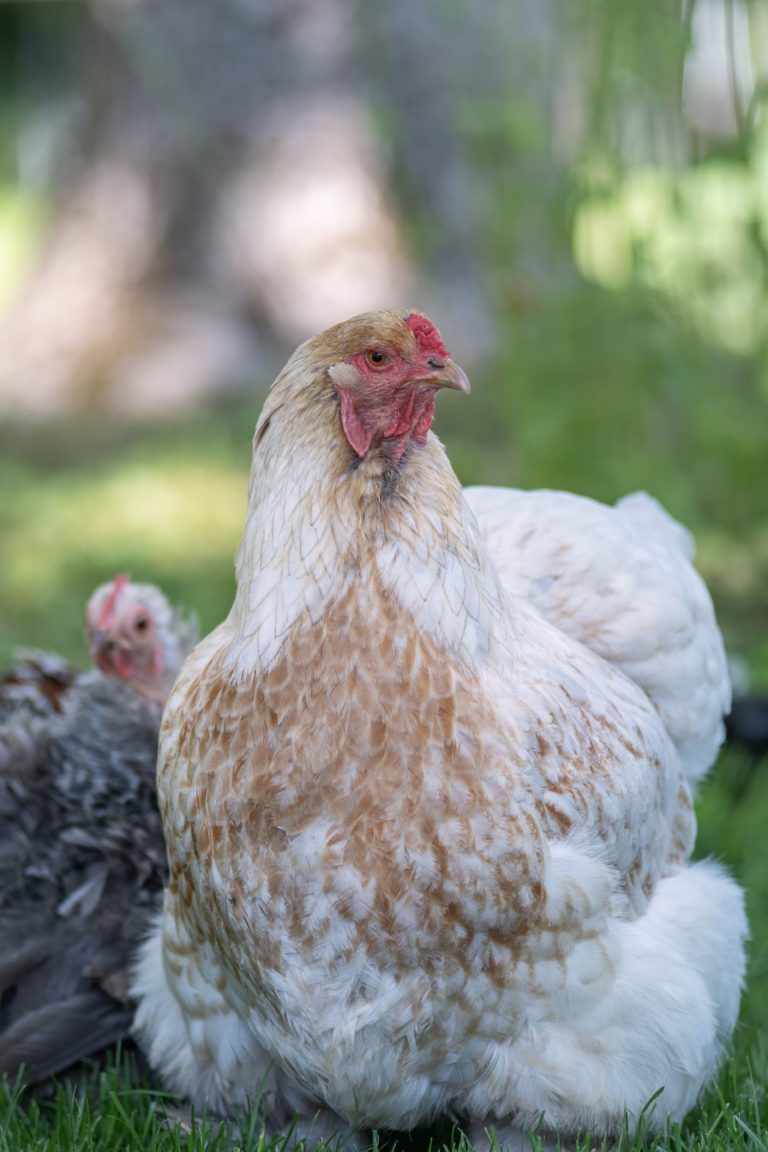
224 168
231 190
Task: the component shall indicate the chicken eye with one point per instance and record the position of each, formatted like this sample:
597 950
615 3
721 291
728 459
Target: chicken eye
376 358
141 624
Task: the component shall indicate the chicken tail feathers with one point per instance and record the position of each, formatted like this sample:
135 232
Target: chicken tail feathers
47 1040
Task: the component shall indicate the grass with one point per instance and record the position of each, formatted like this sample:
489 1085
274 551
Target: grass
108 1109
111 1110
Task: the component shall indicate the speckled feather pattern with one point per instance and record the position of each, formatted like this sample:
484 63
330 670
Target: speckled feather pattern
428 852
32 693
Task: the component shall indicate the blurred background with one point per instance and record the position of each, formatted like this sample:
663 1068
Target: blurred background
576 193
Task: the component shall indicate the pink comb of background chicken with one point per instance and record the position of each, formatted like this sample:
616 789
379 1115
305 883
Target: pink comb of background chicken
108 607
427 336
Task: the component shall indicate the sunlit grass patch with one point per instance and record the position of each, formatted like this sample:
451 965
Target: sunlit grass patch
172 513
174 520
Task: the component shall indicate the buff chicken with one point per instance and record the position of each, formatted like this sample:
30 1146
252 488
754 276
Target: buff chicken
426 791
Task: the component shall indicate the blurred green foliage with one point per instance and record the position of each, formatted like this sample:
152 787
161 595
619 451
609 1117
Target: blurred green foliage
81 501
22 217
698 236
731 810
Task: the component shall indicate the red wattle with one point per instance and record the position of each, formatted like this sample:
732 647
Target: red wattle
123 666
424 421
356 433
403 413
402 421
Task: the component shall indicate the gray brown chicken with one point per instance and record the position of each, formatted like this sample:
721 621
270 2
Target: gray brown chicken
82 857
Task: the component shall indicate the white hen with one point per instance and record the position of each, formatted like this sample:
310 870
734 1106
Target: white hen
429 853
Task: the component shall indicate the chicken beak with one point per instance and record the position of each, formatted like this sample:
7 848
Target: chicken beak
446 374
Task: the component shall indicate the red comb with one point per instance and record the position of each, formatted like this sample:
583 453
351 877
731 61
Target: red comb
427 336
108 607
